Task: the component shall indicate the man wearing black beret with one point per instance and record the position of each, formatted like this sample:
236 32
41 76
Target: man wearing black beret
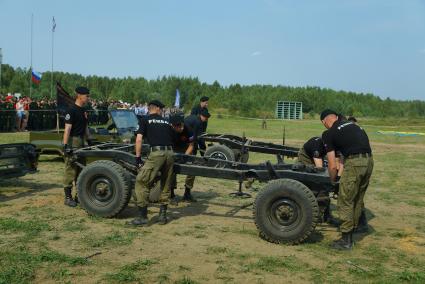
352 141
203 105
160 136
76 131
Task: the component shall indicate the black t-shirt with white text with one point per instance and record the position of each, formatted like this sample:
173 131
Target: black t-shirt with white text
77 116
194 123
157 130
346 137
182 140
314 148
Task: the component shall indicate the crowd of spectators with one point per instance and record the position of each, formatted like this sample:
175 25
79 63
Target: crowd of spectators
20 113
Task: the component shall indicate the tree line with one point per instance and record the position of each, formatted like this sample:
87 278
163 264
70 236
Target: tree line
252 101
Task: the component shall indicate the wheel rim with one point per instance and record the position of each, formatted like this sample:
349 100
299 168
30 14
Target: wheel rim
285 214
218 156
101 190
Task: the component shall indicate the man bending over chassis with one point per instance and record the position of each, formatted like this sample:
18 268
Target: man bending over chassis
183 144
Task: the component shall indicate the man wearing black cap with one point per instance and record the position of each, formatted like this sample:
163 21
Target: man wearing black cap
76 131
184 144
195 124
203 105
353 142
159 135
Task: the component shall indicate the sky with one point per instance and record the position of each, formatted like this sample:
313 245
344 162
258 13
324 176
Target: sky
367 46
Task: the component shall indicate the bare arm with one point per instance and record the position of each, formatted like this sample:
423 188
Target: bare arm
318 162
332 166
139 139
189 149
66 133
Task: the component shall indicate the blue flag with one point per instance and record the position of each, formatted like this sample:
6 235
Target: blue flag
177 102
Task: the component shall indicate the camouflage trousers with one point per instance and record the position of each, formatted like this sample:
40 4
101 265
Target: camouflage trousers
352 188
71 172
158 161
188 182
304 159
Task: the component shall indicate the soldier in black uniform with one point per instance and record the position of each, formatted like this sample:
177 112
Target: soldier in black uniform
312 152
353 142
184 144
159 135
76 131
195 123
203 105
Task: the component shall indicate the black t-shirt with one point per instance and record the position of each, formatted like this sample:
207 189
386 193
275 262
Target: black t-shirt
156 129
314 148
197 111
183 139
77 116
194 123
346 137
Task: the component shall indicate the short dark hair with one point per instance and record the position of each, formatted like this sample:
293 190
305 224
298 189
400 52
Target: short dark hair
204 99
327 112
82 90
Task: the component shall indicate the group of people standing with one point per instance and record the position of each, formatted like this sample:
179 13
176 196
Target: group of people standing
164 136
346 147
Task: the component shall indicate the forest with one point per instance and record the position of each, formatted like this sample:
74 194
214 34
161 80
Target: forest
236 99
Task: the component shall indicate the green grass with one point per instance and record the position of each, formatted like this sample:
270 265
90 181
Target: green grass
273 264
112 239
19 264
31 228
131 272
32 237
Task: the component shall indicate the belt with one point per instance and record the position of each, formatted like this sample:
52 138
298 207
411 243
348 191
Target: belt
161 148
359 155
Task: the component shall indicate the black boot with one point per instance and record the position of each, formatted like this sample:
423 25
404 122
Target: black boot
187 195
162 218
333 221
142 219
344 243
363 227
68 197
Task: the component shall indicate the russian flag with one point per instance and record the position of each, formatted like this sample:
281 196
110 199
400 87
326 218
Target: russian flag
36 77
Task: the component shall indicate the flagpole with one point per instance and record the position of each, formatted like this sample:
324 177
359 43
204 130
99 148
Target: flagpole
53 40
32 18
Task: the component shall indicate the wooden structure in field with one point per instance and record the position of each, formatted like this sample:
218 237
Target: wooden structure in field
289 110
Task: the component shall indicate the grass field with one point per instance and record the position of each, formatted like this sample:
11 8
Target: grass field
215 240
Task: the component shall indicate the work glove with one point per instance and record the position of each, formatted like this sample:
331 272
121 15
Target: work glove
139 162
91 141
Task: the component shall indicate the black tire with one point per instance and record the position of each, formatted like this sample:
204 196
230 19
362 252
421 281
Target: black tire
286 211
104 188
221 152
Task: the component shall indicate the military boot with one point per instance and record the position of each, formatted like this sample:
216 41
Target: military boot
187 196
363 227
142 219
344 243
333 221
162 218
68 197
